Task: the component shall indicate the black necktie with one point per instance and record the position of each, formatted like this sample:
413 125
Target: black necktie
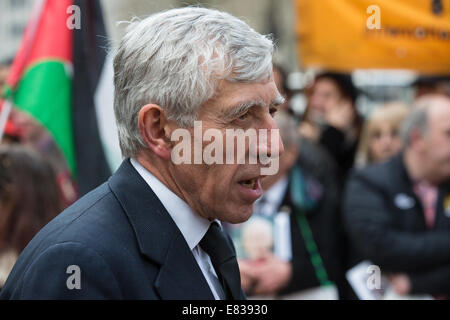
216 244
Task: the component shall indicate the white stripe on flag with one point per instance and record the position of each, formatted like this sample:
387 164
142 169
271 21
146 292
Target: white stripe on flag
104 108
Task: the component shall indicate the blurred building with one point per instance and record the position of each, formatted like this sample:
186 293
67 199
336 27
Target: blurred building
13 18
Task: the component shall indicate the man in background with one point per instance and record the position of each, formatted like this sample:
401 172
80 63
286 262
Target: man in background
398 213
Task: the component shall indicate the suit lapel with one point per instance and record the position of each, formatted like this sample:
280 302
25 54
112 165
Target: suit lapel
180 276
158 237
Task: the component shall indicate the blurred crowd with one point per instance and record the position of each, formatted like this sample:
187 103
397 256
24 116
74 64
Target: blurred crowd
354 187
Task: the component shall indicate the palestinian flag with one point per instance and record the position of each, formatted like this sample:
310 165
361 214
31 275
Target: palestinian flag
54 77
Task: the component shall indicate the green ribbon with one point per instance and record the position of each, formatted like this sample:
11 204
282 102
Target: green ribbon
300 199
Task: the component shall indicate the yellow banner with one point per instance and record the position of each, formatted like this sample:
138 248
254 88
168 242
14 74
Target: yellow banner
344 35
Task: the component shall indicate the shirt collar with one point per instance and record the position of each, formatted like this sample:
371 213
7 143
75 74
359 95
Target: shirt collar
192 226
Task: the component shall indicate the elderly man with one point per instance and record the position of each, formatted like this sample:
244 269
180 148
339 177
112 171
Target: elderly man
398 213
153 230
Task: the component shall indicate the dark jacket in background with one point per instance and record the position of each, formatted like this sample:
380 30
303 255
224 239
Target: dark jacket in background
385 222
124 242
319 172
340 149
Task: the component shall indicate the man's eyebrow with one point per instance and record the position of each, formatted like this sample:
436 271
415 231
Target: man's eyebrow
243 107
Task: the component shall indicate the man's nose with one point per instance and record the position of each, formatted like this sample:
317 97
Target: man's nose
272 146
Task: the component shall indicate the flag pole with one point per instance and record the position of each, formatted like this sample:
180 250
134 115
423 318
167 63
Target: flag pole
4 115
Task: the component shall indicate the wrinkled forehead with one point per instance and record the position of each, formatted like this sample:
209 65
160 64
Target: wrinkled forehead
439 115
238 94
438 107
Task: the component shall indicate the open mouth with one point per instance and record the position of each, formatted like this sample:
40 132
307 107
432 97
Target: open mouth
250 184
250 189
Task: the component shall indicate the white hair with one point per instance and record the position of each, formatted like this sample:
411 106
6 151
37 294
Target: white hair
417 119
175 59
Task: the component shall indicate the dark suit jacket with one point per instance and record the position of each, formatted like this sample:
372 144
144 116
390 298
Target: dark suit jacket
385 222
124 242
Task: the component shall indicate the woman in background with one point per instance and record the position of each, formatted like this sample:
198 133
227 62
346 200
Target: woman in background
331 118
29 199
380 137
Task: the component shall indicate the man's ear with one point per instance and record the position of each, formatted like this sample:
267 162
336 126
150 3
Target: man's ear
152 123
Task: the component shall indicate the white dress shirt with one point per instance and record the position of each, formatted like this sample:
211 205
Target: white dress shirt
192 226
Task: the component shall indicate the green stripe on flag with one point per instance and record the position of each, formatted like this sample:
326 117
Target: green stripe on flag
45 92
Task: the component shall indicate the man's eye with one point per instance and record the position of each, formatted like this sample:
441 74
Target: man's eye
273 111
244 116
